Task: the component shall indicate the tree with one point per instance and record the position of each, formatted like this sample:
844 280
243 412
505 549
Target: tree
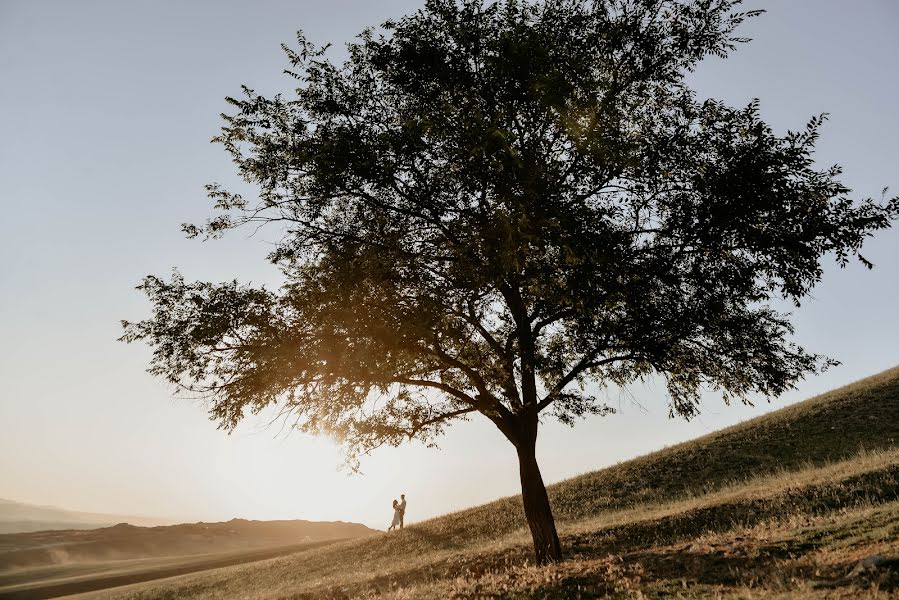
500 209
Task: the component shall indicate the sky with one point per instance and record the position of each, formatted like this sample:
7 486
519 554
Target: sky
106 112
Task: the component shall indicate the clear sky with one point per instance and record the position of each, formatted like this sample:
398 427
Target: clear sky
106 111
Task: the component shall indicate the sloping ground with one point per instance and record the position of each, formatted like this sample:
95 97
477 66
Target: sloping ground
826 428
123 541
783 504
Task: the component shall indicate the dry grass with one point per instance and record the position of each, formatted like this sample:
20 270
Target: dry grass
779 507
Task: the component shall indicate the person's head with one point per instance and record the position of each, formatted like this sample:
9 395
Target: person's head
403 496
395 502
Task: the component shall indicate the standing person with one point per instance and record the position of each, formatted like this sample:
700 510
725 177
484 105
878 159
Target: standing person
401 507
397 516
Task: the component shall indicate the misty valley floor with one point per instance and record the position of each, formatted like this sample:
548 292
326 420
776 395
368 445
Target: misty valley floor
68 579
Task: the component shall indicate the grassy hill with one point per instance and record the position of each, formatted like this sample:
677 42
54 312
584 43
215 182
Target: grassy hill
783 505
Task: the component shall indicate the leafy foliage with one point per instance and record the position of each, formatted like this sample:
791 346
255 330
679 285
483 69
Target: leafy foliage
489 206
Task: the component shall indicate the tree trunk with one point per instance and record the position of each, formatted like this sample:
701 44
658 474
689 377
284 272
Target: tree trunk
537 510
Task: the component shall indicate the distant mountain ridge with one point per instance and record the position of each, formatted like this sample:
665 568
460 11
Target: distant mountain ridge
22 517
126 541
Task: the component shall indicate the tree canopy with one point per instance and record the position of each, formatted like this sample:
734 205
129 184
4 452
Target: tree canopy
500 208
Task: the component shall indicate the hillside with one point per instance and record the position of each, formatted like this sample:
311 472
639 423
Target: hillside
827 428
783 505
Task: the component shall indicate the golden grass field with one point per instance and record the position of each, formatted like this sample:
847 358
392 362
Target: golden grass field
783 506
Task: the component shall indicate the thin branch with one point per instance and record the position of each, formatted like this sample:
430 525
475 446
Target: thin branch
583 365
445 416
438 385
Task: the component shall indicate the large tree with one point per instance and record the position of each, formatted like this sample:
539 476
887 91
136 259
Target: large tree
500 208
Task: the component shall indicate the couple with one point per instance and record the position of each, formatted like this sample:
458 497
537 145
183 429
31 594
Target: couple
399 510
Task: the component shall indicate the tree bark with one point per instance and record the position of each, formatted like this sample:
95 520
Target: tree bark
537 510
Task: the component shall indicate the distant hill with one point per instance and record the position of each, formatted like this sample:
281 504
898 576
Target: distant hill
20 517
125 541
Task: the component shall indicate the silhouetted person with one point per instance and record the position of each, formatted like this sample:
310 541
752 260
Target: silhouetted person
402 508
397 516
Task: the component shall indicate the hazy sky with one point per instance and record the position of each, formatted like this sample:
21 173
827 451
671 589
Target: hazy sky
106 111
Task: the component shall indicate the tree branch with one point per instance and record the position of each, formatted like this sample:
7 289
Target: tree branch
445 416
437 385
585 363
